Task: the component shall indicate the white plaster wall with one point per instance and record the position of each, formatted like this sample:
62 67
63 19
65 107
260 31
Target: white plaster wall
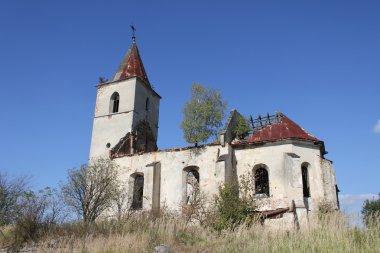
172 165
284 160
108 129
126 90
270 155
111 127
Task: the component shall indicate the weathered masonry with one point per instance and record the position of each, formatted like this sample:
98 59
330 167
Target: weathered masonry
291 175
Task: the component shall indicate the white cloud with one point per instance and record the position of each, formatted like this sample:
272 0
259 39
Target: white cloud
376 128
350 199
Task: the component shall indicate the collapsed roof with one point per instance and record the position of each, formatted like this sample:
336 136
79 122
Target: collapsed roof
277 127
267 129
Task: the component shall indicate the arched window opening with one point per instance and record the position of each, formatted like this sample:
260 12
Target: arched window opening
147 104
191 185
138 192
261 182
115 102
305 181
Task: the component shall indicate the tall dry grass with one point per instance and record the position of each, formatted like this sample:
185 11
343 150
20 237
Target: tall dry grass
141 233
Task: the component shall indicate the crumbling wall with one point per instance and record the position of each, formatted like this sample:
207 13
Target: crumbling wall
278 214
145 140
227 135
329 182
172 165
141 139
217 164
123 147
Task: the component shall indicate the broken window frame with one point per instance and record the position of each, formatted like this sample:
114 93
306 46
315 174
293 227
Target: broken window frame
137 192
191 172
261 177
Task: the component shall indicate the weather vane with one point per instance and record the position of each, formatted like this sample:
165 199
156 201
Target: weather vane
133 32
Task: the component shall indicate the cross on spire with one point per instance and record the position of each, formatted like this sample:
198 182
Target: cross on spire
133 32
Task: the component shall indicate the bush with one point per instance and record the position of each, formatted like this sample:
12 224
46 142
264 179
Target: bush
235 204
196 211
41 212
12 193
371 210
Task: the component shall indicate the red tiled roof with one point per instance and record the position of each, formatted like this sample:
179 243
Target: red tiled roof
286 129
131 66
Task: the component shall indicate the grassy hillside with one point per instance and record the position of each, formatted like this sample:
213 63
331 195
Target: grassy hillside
141 233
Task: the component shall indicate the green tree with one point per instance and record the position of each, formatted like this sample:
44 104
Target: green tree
203 114
242 127
92 188
371 210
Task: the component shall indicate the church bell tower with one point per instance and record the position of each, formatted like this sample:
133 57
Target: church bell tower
126 111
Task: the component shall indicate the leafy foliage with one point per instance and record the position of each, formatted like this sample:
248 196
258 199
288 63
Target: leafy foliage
242 127
370 210
203 114
92 188
234 204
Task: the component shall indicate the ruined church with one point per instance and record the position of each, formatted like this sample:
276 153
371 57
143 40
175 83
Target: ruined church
290 173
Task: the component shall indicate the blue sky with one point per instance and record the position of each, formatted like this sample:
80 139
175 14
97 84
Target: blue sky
318 62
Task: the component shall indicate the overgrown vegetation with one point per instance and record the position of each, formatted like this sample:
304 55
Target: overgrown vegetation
141 233
234 205
203 114
12 193
324 209
41 213
227 223
371 210
196 210
91 189
242 127
26 216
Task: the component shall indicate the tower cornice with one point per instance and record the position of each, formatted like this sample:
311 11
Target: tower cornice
148 86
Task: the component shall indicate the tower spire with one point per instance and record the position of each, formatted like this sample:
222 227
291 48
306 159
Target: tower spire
131 65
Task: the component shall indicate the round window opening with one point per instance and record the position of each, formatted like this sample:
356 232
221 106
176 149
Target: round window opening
108 145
